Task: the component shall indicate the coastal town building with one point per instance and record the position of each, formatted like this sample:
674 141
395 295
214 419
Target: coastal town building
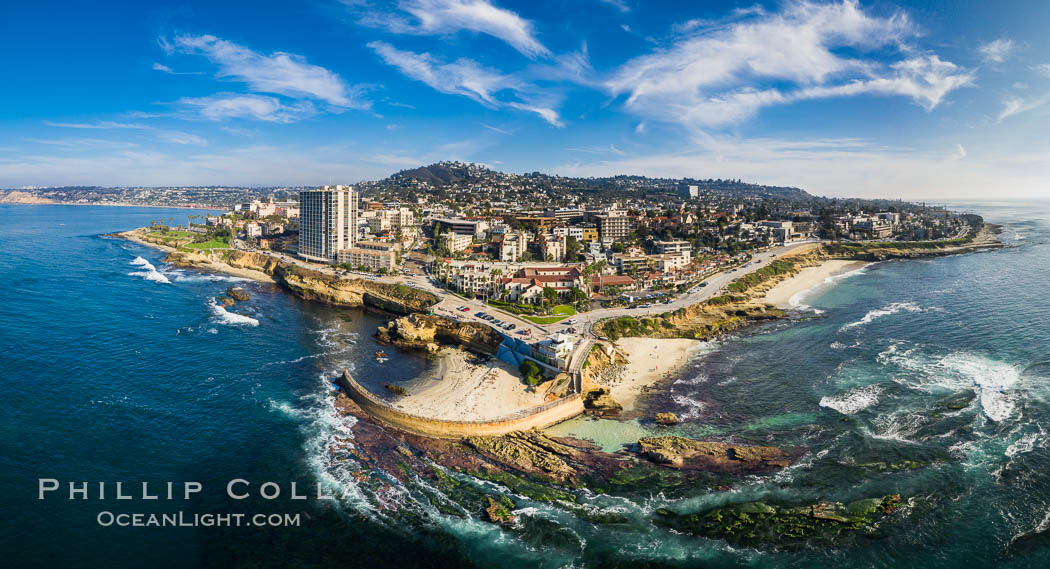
552 246
510 247
472 227
456 241
613 227
554 351
327 222
679 246
370 255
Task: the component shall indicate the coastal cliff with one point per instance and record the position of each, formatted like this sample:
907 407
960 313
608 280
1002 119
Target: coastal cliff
15 196
311 284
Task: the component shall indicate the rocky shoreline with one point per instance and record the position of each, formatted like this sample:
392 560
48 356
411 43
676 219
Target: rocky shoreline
305 283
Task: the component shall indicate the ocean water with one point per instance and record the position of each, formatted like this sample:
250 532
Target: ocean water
117 367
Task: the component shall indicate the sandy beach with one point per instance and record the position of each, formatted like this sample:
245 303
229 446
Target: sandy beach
781 294
651 359
465 391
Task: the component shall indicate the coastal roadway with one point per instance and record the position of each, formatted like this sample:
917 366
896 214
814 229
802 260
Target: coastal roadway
715 285
450 304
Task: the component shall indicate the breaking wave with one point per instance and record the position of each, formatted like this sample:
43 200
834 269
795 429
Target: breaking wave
148 272
887 310
223 316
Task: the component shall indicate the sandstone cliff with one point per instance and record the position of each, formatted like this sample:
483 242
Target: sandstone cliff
315 285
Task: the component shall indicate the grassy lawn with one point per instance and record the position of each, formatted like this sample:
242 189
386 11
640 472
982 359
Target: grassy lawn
171 237
213 244
560 312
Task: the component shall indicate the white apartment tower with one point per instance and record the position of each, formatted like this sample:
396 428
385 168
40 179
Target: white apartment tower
327 222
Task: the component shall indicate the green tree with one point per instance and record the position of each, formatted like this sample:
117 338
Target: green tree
531 372
573 250
549 294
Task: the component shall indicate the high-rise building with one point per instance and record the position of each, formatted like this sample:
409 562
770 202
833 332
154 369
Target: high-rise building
327 222
688 191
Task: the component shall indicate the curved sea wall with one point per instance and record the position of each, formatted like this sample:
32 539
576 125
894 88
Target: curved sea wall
534 418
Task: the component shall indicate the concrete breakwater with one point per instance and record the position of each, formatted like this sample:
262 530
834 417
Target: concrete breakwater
532 418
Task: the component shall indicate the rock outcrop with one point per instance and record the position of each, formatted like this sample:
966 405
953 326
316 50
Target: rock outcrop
599 402
680 452
426 331
237 293
666 419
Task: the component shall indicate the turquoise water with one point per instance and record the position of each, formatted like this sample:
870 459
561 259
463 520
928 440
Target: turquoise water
111 374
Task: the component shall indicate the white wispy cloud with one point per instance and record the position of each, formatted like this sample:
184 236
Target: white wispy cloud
1017 105
279 73
549 115
618 4
467 78
222 106
173 136
496 129
431 17
179 137
460 77
83 143
721 74
996 51
99 125
1042 68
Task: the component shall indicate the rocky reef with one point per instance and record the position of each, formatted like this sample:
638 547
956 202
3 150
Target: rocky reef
566 473
755 523
311 284
533 463
680 452
428 331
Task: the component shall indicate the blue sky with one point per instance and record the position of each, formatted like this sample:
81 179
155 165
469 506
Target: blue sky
842 98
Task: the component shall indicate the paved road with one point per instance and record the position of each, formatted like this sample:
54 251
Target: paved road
450 303
715 286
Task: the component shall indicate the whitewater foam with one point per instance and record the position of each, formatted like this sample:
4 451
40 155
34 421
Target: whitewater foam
223 316
184 277
149 272
853 400
887 310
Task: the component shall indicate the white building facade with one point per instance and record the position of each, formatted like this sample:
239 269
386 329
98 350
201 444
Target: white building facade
327 222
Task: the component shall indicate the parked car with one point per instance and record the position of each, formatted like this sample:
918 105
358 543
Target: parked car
511 326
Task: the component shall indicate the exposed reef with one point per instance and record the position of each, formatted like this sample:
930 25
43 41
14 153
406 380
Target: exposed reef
680 452
758 522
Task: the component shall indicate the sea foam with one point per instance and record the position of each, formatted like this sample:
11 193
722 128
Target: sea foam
149 272
224 316
853 400
887 310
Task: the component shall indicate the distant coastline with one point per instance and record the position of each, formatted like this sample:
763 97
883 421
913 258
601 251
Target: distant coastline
25 198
